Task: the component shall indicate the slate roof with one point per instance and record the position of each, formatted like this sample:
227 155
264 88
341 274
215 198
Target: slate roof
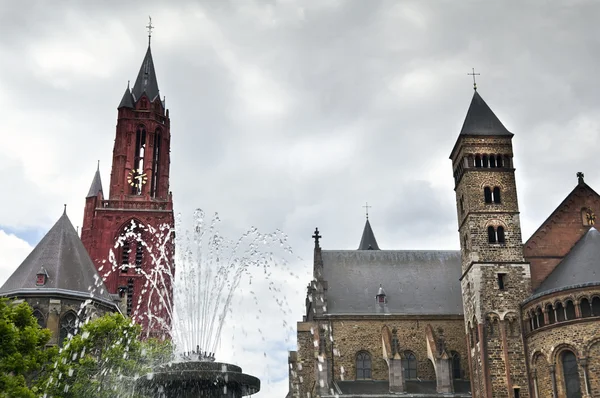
481 120
96 185
127 100
69 267
423 389
416 282
368 241
146 79
581 266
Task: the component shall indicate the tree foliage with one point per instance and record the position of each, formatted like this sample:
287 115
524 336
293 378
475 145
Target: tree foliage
103 359
23 355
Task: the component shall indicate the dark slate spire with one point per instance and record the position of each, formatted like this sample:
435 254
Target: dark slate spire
579 267
127 100
481 120
69 268
96 184
368 241
146 80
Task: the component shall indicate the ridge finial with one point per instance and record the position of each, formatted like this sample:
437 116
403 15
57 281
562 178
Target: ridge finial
149 27
474 74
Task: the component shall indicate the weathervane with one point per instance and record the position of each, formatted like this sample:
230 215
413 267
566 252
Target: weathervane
367 207
474 74
149 27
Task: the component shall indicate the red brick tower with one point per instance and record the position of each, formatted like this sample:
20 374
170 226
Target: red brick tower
139 192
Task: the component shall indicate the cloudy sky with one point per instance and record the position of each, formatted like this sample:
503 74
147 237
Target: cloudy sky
293 114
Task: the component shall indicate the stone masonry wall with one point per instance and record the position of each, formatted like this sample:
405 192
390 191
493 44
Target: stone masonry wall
304 367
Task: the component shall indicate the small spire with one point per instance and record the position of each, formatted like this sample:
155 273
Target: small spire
128 85
65 210
474 74
367 207
98 169
316 237
149 27
580 178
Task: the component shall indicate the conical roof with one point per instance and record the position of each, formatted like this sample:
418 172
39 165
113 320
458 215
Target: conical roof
146 79
581 266
368 241
63 257
481 120
127 100
96 185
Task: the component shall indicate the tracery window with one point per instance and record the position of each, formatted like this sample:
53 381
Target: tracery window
68 326
410 365
363 365
456 374
156 156
40 318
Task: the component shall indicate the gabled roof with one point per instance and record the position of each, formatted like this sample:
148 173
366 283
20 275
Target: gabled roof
581 266
127 100
146 79
415 281
368 241
481 120
96 185
69 268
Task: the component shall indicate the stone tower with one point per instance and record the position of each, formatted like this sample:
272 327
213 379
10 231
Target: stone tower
139 202
495 277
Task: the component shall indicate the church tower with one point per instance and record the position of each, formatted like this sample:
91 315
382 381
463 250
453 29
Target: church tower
495 277
136 217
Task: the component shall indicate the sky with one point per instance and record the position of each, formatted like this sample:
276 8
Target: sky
291 115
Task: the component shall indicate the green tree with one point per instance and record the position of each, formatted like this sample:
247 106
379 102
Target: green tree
23 355
103 359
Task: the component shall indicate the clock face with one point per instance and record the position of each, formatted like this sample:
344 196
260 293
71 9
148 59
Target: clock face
137 178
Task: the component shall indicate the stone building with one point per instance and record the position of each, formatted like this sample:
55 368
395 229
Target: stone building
59 281
498 318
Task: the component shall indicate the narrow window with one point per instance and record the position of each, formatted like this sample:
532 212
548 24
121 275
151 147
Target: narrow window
491 234
456 373
155 164
551 315
540 317
129 296
560 312
487 195
493 161
501 281
138 161
499 161
68 326
485 161
477 161
497 195
596 306
363 366
571 375
500 234
586 309
125 250
570 310
410 365
517 392
139 255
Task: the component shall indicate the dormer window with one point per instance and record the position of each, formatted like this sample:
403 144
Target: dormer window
41 277
380 298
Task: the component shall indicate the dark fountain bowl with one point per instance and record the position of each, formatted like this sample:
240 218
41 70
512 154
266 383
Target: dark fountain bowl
198 379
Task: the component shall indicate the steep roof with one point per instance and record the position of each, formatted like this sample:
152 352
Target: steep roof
481 120
127 100
368 241
69 268
415 282
96 185
581 266
146 79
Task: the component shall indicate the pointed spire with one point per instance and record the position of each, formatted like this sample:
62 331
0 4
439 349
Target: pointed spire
481 120
96 184
146 79
368 241
127 100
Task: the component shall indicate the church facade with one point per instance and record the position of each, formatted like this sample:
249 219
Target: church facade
499 318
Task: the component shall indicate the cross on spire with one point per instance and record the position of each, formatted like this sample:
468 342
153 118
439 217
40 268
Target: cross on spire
367 207
149 27
474 82
316 237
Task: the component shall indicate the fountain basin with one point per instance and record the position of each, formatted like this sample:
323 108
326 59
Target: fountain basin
198 379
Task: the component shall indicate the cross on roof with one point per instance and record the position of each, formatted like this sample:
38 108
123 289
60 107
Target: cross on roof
367 207
474 74
316 237
149 27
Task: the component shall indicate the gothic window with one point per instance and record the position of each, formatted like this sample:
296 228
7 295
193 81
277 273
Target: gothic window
560 312
363 366
491 234
551 315
571 375
68 326
409 362
485 161
500 234
125 250
155 163
487 195
40 318
129 296
456 373
596 306
477 161
138 161
570 310
586 308
496 195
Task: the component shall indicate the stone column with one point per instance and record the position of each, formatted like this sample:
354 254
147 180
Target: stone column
546 317
577 305
53 323
443 376
396 378
553 377
584 365
533 376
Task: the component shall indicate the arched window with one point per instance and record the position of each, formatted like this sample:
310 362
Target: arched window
596 306
487 195
497 195
500 234
477 161
138 160
456 372
570 310
41 320
540 317
499 161
571 375
485 161
551 316
410 365
68 326
156 156
491 234
560 312
586 308
492 161
363 366
129 297
125 251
